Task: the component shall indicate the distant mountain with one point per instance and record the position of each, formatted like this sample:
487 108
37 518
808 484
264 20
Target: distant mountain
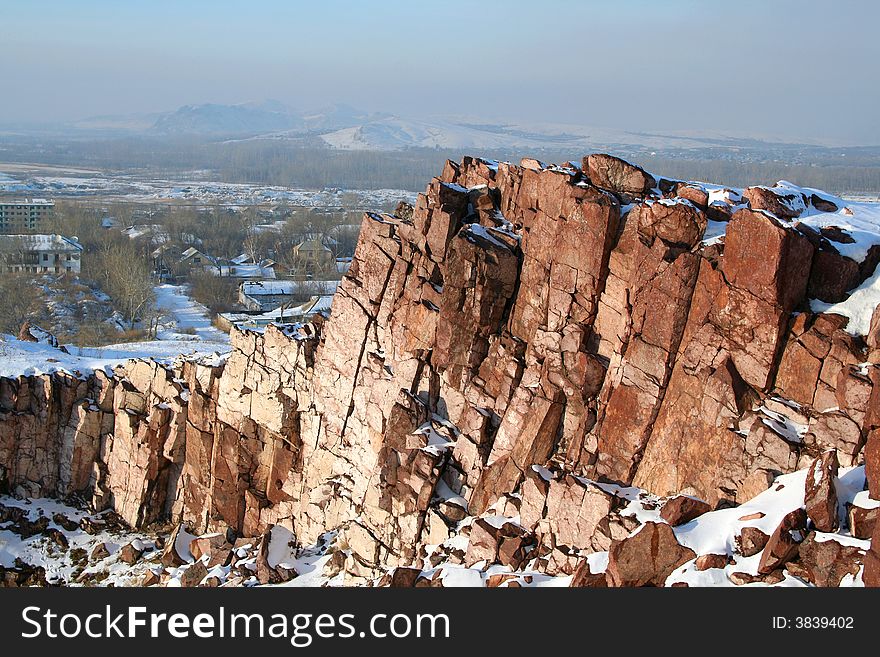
348 128
226 120
394 133
335 117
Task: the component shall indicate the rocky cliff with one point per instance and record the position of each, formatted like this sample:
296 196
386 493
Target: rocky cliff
529 343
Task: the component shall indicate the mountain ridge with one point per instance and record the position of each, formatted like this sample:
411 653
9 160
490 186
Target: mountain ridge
344 127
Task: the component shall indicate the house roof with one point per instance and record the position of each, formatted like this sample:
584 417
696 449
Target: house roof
27 201
190 252
287 287
54 243
313 244
243 271
242 259
316 304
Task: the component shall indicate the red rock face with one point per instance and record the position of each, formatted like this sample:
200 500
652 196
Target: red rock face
871 576
514 318
832 276
872 463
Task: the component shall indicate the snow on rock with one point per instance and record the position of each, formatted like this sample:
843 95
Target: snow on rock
858 308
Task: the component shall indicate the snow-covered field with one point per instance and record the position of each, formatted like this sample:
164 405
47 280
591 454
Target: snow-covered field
54 183
181 313
185 331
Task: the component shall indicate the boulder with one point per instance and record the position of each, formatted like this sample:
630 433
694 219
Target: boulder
171 556
826 563
871 576
740 578
861 521
131 553
193 575
646 558
99 552
504 544
751 541
823 204
783 543
682 508
784 203
151 578
214 546
404 577
820 494
693 193
616 175
707 561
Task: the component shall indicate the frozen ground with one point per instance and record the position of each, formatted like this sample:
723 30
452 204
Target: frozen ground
63 547
185 331
54 183
183 318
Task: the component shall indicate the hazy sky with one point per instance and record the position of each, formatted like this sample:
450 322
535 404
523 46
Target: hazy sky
774 67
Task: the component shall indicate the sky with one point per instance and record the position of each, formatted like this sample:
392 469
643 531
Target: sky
805 69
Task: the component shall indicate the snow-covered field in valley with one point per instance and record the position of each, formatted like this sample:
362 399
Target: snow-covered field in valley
23 180
185 331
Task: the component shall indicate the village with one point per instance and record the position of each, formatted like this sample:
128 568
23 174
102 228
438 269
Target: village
96 271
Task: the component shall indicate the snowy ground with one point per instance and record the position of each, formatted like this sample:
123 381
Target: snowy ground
181 313
714 533
185 331
64 549
320 565
53 183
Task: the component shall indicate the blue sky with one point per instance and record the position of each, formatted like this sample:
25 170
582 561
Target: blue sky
775 67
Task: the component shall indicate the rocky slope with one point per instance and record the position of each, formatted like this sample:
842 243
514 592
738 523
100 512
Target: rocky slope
517 373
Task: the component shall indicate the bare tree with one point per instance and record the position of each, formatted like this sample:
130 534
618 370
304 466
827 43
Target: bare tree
19 301
215 293
128 282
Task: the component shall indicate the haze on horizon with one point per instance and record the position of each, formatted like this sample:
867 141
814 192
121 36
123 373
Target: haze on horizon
783 69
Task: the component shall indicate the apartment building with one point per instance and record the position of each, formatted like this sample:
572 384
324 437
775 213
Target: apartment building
24 215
